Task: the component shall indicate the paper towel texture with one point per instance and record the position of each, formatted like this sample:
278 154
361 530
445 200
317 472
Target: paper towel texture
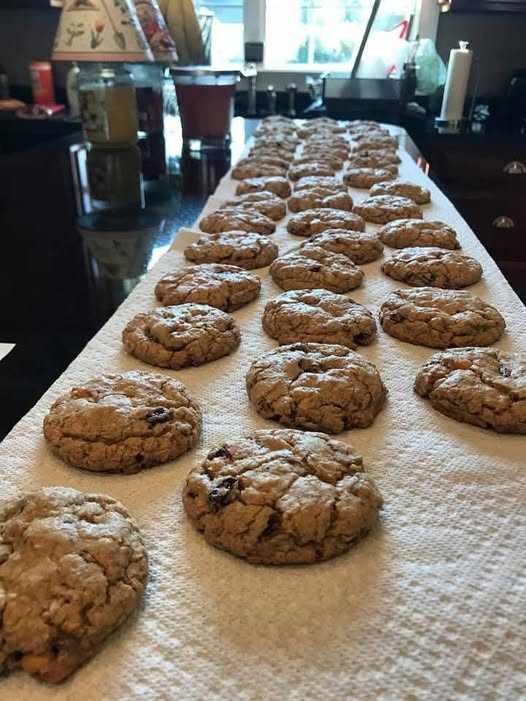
429 606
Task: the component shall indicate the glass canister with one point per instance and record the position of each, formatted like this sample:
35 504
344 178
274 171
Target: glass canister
206 104
148 81
108 107
114 177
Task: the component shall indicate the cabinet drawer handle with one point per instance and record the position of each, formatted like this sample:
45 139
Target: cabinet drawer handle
514 168
503 222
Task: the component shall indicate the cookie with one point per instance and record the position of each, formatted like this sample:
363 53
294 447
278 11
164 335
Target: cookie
437 318
368 133
402 188
373 162
278 185
316 387
73 569
365 177
334 161
314 197
328 182
246 250
481 386
123 423
268 150
265 159
256 169
308 169
318 316
233 219
263 202
359 124
384 155
314 221
359 246
384 208
226 287
282 497
433 267
407 233
313 268
181 336
285 146
372 143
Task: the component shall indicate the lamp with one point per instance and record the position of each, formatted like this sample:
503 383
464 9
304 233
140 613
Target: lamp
100 30
102 35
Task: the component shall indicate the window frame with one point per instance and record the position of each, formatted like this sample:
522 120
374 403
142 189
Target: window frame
254 30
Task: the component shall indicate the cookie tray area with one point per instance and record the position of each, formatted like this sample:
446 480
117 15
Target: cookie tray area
428 606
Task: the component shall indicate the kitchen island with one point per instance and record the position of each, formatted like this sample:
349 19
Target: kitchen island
427 607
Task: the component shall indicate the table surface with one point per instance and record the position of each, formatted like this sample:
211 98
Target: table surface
428 606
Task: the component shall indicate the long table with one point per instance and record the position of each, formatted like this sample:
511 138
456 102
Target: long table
428 606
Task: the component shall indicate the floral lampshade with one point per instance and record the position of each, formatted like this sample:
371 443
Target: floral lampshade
156 31
100 30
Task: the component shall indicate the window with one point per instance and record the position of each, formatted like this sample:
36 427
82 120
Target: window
310 33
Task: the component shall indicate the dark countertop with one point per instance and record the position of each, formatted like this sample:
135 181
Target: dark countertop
58 285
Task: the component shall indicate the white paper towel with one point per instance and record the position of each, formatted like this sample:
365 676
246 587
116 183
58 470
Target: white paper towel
429 606
458 70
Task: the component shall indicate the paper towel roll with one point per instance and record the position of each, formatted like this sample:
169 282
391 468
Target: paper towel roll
458 71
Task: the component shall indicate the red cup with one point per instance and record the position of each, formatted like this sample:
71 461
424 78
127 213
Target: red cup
42 82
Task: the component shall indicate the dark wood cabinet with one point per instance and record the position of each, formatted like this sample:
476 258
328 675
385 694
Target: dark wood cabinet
486 181
488 6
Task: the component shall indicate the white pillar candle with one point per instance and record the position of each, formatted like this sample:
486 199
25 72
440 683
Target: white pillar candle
458 71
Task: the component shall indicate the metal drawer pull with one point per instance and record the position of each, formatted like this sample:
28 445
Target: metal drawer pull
514 168
503 223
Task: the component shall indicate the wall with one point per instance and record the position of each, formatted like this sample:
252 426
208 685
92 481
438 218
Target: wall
27 35
497 40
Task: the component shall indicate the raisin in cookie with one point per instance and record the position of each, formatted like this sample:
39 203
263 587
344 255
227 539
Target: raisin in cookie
181 336
481 386
226 287
278 185
402 188
309 169
406 233
314 221
316 387
359 246
123 423
433 267
314 197
365 177
428 316
318 316
73 569
232 219
263 202
246 250
316 268
282 497
384 208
